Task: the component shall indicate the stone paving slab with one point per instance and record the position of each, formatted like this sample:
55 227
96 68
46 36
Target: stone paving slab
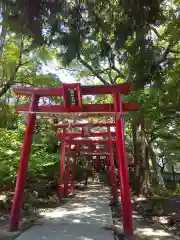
82 218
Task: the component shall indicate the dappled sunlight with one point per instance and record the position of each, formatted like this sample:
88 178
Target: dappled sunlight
85 238
76 221
59 213
149 230
85 215
153 232
77 205
96 199
136 217
85 207
82 218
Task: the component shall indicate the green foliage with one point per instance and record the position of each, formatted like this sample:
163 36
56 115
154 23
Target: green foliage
159 191
168 192
177 190
11 142
43 163
108 34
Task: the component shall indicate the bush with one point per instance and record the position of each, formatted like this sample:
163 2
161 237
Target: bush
41 164
177 190
160 191
11 142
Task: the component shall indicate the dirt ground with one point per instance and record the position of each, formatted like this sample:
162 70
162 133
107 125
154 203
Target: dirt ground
165 211
34 203
157 211
30 211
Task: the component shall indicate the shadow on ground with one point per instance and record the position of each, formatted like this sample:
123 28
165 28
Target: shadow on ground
83 218
149 230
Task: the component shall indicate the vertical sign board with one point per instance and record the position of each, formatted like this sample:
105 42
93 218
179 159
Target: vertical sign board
72 95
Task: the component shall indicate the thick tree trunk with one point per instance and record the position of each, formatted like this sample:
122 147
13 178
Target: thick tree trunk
157 170
141 156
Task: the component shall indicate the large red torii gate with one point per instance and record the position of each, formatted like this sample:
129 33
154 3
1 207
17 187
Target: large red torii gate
72 94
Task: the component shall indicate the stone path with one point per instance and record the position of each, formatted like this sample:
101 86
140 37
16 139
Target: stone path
82 218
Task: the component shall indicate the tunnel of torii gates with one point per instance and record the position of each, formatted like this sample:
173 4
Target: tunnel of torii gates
73 107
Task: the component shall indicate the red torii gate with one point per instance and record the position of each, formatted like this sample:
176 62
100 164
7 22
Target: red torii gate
72 94
67 137
96 152
71 135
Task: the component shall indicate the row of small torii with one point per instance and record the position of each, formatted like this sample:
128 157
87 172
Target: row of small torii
115 142
69 139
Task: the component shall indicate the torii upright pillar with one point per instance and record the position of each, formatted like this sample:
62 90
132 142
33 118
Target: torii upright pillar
61 170
22 173
111 166
123 169
67 173
74 171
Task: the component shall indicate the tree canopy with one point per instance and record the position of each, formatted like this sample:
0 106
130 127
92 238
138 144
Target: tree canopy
103 42
130 40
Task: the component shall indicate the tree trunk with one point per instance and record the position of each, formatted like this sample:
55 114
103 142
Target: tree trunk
174 176
157 170
141 156
3 32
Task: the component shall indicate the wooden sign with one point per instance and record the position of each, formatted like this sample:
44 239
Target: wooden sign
72 95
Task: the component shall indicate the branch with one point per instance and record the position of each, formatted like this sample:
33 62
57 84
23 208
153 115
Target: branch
6 87
92 70
111 62
164 56
20 52
153 137
110 77
24 63
116 77
174 51
118 71
163 38
157 33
